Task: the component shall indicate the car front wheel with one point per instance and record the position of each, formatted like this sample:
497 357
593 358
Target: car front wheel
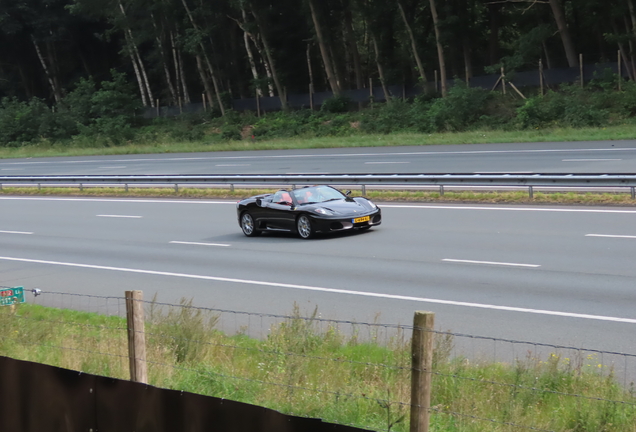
248 226
304 228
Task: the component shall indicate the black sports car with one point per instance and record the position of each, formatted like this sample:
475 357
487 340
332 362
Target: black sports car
307 211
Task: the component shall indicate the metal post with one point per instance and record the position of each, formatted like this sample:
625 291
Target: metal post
441 190
126 187
530 192
231 187
39 186
176 188
81 187
136 337
633 192
364 190
422 370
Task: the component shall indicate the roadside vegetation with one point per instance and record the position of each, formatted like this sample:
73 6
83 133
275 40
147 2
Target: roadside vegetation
306 368
101 118
412 196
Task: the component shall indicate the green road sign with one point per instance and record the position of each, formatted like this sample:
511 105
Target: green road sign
11 296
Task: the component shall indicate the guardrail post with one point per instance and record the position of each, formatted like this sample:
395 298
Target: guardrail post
126 187
421 370
364 190
81 187
231 187
633 191
176 188
136 336
39 186
441 190
530 192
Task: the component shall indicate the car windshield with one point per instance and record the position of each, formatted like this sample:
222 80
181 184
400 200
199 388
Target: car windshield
317 194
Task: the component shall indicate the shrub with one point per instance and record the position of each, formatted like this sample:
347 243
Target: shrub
23 122
461 108
336 104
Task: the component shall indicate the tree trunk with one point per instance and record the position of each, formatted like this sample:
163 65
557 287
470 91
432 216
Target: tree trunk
268 53
387 96
204 79
207 61
331 77
440 48
418 61
164 59
250 56
57 95
568 45
353 47
177 69
184 82
493 50
468 62
135 54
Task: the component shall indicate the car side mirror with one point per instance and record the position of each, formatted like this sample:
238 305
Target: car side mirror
348 193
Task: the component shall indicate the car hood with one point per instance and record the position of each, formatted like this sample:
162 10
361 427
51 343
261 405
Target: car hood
344 206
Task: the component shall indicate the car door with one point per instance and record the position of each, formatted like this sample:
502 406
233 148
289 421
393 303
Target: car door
278 212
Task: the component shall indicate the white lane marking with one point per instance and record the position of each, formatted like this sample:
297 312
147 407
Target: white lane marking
232 165
120 216
490 263
330 290
199 244
112 167
413 206
379 163
610 236
557 210
503 172
326 155
15 232
117 200
589 160
12 169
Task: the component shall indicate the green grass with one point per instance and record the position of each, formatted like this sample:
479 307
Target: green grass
311 369
412 196
85 147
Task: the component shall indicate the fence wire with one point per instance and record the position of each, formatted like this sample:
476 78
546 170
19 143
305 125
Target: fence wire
346 372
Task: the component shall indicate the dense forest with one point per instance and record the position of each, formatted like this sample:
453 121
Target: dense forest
175 52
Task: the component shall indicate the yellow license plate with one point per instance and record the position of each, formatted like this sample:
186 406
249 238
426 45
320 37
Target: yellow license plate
362 219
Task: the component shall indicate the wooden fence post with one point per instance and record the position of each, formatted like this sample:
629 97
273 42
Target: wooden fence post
136 337
421 370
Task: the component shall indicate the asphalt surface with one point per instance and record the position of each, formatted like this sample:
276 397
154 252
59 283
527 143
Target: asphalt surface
558 275
545 275
567 157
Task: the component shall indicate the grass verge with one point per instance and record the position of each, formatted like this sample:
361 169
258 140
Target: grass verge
84 148
313 369
486 197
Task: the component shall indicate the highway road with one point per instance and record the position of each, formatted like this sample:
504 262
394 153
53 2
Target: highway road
558 275
568 157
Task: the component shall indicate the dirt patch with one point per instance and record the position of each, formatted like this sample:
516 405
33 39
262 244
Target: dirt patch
246 132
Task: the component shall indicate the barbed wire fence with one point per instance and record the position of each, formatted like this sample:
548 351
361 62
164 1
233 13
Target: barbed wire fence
360 374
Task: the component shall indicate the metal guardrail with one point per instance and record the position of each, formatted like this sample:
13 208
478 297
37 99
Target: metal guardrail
494 180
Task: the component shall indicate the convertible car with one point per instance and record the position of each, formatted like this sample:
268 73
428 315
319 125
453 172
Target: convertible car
306 211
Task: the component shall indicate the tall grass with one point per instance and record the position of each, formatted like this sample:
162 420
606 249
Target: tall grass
310 367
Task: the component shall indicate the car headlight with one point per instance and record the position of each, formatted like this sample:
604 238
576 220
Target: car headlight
323 211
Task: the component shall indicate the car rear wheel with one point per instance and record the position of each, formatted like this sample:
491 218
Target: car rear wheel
304 228
248 226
